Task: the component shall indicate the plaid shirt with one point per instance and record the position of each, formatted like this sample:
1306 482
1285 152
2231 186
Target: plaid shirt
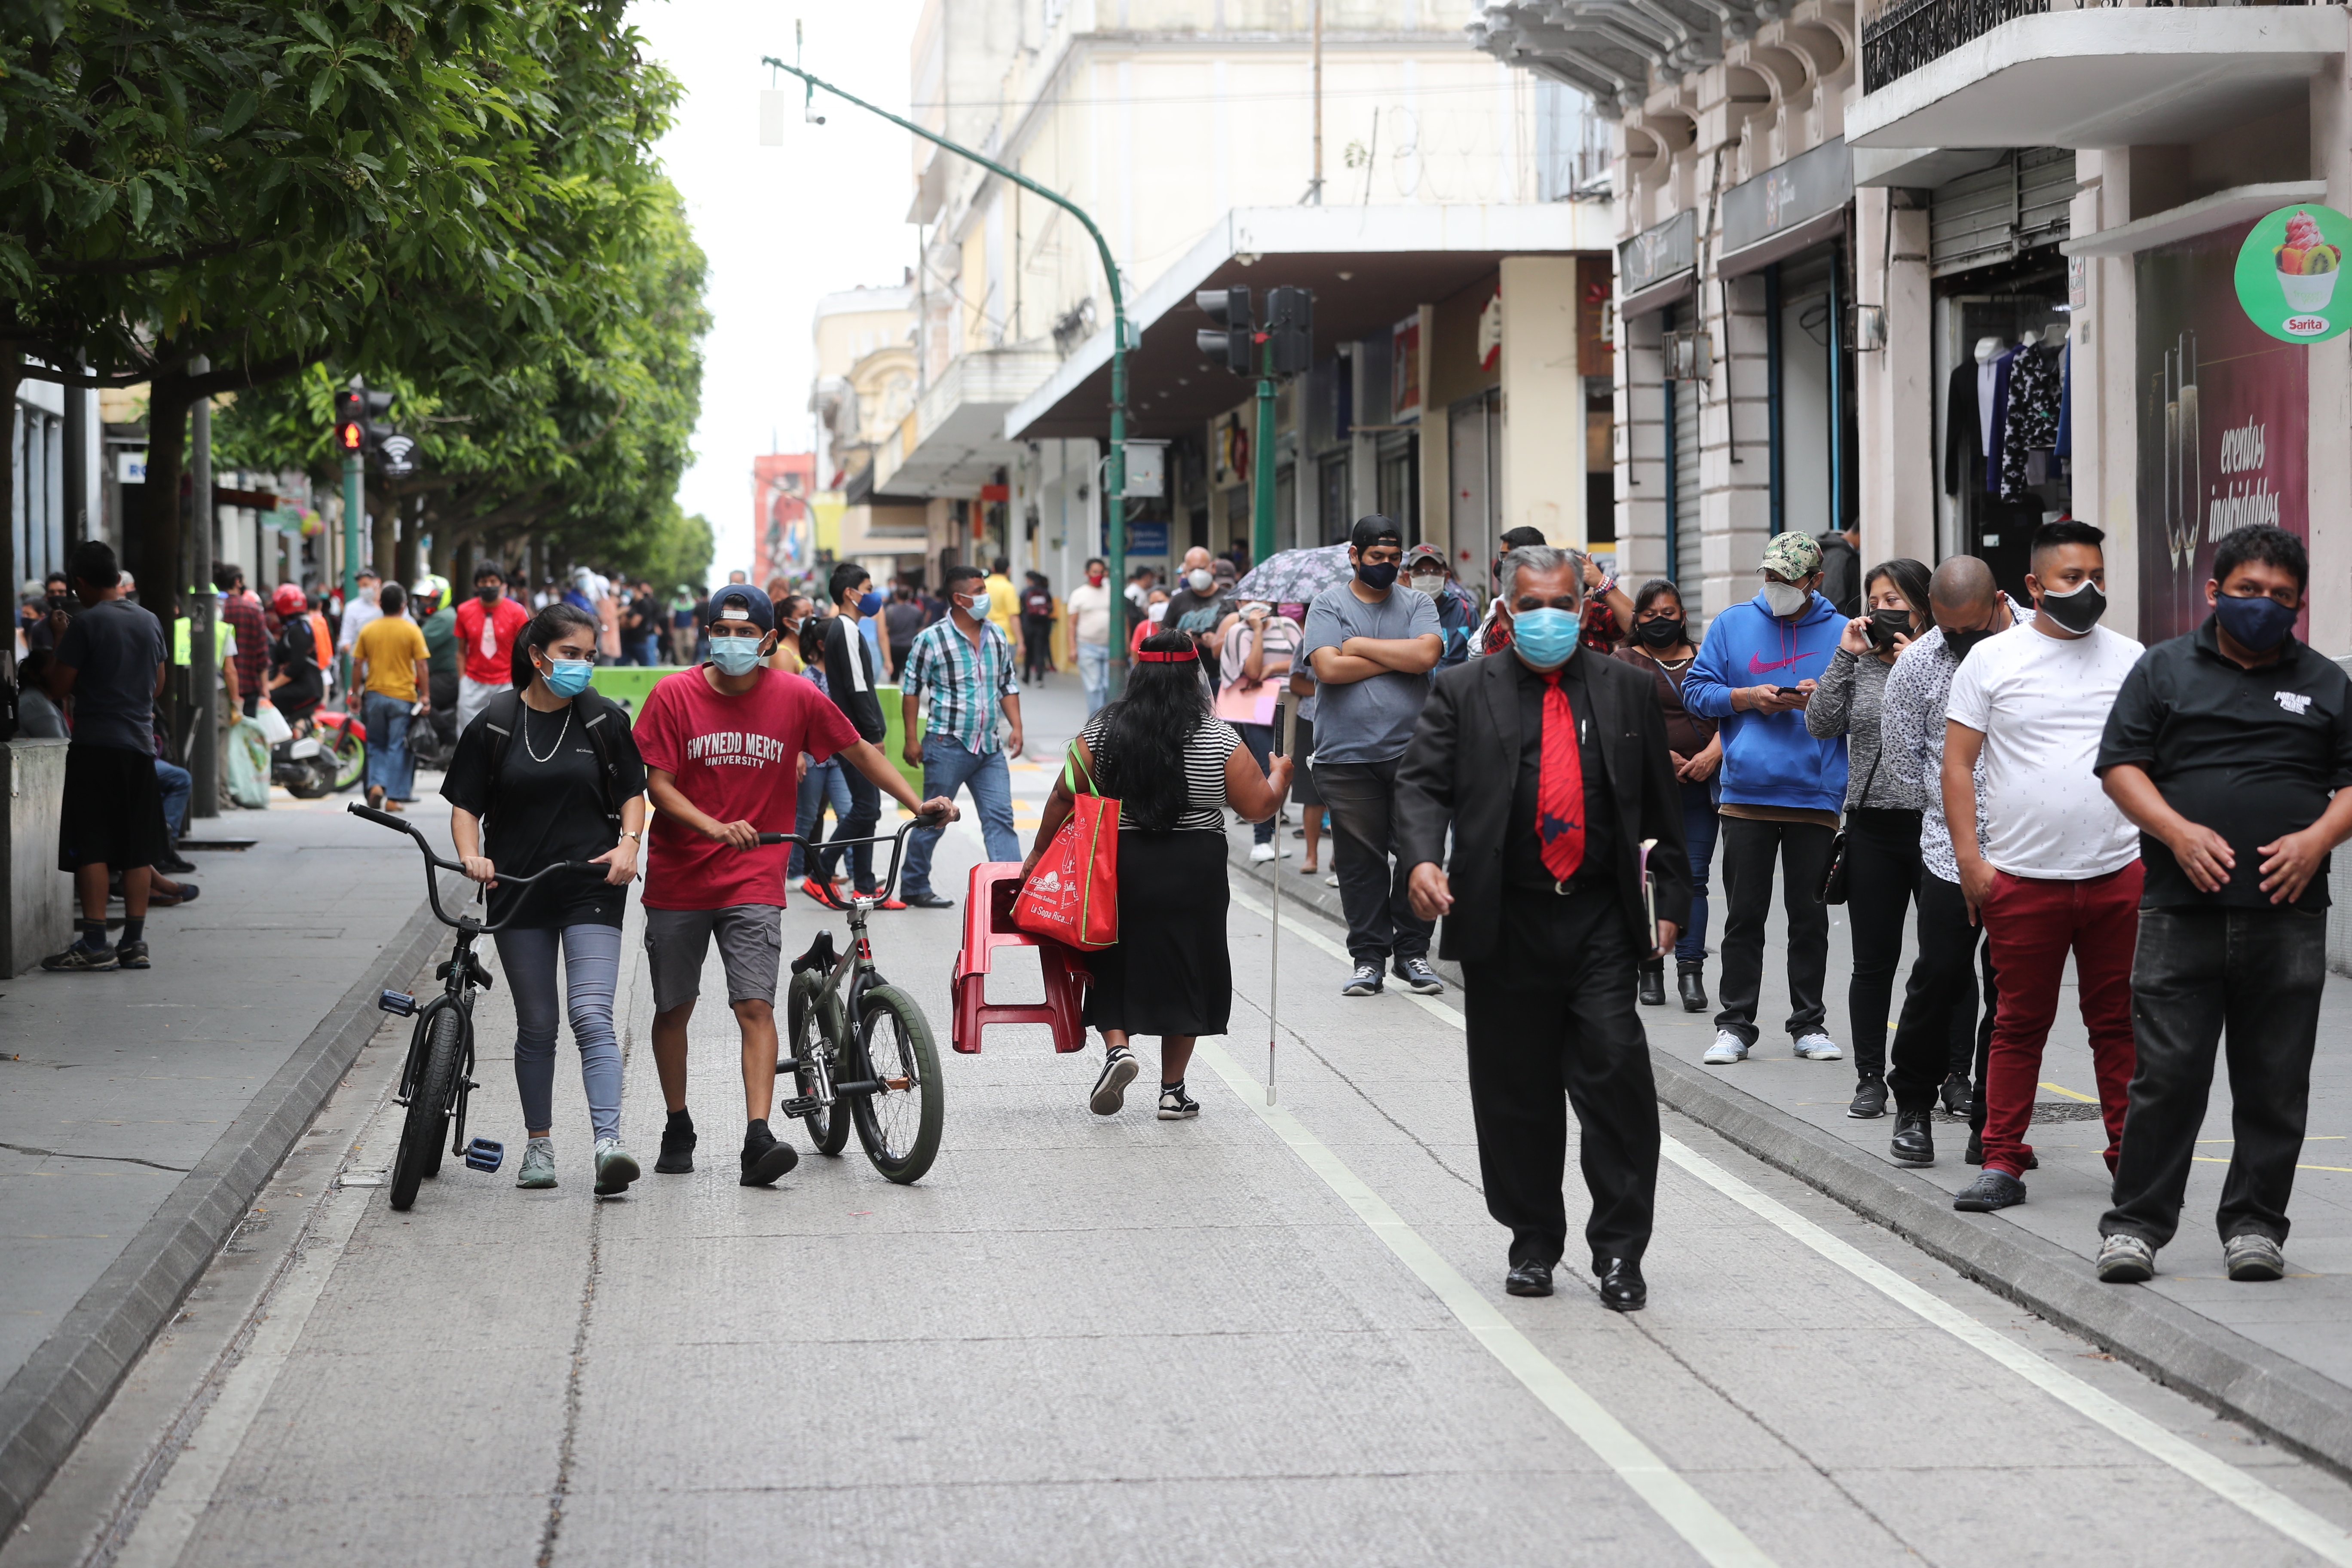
965 682
242 612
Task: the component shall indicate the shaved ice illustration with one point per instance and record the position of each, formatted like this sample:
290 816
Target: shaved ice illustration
2307 265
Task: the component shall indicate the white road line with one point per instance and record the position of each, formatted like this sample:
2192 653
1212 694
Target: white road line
2325 1539
1673 1498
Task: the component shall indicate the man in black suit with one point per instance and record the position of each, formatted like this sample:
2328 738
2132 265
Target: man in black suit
1550 766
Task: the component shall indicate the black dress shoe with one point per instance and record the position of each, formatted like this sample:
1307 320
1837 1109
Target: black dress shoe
1914 1138
928 902
1653 985
1623 1289
1693 986
1529 1280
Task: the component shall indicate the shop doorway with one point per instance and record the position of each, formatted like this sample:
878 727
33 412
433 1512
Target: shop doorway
1993 499
1473 443
1814 416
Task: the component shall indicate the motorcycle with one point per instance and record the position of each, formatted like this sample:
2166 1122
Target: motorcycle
344 741
303 765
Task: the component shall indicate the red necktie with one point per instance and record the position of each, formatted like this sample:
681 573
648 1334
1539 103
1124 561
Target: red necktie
1560 785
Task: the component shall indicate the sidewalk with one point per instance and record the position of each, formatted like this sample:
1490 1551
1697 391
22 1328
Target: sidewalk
140 1112
2276 1355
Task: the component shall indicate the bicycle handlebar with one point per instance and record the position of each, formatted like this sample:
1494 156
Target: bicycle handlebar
432 886
897 842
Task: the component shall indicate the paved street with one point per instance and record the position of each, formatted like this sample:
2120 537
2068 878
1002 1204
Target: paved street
1270 1335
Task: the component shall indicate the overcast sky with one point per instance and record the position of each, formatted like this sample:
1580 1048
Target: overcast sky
781 225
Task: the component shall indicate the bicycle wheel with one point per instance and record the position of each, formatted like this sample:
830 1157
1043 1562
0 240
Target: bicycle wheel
828 1130
419 1154
900 1123
347 755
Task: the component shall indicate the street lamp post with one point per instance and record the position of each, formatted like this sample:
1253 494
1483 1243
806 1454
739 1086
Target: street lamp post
1115 468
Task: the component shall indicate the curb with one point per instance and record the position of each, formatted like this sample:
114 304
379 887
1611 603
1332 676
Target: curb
2284 1400
61 1389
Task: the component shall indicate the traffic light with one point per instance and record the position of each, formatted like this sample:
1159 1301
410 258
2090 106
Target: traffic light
1290 330
1232 343
351 422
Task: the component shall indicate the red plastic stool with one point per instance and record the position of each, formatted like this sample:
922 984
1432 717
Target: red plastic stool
987 926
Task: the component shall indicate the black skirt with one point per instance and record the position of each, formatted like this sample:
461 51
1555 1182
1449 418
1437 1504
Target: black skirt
1173 896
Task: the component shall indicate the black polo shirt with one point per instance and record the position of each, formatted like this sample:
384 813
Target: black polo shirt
2250 753
1523 864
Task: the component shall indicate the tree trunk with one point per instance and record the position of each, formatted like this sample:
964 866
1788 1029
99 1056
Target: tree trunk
153 555
12 371
384 515
403 555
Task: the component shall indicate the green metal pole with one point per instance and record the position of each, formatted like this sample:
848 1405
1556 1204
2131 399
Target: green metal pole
1114 466
1262 508
354 503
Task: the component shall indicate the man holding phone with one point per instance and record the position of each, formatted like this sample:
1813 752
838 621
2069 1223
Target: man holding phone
1781 789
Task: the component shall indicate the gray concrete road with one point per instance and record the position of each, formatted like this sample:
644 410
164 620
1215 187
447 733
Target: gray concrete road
1273 1335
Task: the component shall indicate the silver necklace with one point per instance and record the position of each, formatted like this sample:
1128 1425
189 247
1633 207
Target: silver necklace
559 735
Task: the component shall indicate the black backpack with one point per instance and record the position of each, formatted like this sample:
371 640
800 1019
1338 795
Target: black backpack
502 714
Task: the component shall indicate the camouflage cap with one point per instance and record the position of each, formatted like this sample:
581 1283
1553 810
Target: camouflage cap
1794 556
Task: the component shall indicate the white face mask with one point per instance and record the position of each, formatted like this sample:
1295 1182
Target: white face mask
1430 583
1784 599
1201 579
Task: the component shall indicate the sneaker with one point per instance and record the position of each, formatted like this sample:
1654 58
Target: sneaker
2254 1255
1175 1105
2127 1260
1727 1048
1818 1048
175 866
1110 1090
1869 1099
81 957
538 1167
1332 880
616 1168
1955 1094
822 892
1261 853
131 955
1364 982
1991 1190
764 1159
889 904
676 1156
1419 977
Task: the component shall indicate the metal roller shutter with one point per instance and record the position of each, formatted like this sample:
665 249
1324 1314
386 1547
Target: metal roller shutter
2021 202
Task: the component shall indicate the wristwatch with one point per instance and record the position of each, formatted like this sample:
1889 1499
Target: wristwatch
626 833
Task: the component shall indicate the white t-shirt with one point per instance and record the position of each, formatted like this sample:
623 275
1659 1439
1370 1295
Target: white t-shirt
1088 607
2042 703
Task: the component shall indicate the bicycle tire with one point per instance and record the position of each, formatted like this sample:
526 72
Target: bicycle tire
899 1126
350 755
419 1154
828 1130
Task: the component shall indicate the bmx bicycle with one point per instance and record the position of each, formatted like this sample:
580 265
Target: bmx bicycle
859 1044
439 1072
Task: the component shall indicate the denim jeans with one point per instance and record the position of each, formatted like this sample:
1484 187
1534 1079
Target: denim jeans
1362 798
1094 674
1700 825
948 767
2256 974
388 762
592 965
824 783
176 785
865 811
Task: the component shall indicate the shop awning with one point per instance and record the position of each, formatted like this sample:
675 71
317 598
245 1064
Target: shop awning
2236 207
1369 265
2105 77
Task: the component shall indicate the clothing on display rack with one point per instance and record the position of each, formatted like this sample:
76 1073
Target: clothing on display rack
2030 420
2002 370
2065 447
1963 430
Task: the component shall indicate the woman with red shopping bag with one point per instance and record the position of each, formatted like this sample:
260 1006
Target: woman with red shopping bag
1174 768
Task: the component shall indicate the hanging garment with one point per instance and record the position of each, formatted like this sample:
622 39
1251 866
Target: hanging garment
1963 430
2029 422
1988 405
2001 375
2065 447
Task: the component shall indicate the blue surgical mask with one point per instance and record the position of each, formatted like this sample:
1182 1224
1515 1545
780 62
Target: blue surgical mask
1545 639
735 656
2258 623
568 677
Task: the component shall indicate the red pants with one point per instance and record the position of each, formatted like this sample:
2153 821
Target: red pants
2031 923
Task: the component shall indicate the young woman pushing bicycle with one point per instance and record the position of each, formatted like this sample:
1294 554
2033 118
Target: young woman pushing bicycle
552 772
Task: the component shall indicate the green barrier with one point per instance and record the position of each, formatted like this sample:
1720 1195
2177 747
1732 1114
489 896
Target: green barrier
629 685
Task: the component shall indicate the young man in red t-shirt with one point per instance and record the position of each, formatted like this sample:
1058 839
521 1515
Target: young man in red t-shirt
723 745
488 625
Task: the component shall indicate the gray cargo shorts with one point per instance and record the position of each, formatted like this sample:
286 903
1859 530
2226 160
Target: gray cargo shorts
751 944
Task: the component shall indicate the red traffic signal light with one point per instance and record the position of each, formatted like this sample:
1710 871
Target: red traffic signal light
351 422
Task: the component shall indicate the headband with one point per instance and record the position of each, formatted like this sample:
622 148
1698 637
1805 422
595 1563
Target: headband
1187 655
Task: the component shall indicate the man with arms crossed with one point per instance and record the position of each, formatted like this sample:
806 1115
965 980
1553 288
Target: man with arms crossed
722 744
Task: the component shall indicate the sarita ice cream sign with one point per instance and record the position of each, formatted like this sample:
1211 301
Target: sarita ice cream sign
2288 268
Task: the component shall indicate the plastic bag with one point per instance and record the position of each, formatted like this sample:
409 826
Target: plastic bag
246 753
274 727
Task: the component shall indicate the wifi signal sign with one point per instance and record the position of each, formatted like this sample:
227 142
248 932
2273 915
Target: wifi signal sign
399 455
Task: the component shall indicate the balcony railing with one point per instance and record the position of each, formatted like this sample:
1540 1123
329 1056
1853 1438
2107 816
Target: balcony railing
1900 36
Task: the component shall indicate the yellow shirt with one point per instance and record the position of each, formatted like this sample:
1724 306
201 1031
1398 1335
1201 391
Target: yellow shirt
389 645
1002 601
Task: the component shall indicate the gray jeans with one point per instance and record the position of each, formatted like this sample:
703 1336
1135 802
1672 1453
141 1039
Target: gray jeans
1360 797
591 966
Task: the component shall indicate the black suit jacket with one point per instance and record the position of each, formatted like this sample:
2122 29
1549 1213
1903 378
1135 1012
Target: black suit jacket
1465 759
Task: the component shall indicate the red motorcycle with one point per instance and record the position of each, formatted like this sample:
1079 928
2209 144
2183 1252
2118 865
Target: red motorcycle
330 757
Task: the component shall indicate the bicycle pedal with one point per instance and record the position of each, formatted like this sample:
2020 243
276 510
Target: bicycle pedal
399 1002
486 1154
802 1105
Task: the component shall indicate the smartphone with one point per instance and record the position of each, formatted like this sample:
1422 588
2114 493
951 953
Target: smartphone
1788 692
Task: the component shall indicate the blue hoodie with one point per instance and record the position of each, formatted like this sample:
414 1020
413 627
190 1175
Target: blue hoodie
1770 759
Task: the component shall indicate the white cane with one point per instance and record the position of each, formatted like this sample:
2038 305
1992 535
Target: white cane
1286 728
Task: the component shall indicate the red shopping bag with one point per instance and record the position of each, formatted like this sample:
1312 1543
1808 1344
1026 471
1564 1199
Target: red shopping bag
1072 896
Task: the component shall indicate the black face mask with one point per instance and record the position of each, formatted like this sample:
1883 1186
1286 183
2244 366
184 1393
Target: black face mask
489 594
1660 634
2079 611
1961 642
1382 575
1885 626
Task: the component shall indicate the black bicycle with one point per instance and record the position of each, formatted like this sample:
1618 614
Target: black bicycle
853 1036
439 1072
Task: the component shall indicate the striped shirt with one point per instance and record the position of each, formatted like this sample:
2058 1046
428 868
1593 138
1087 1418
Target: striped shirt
1205 771
965 682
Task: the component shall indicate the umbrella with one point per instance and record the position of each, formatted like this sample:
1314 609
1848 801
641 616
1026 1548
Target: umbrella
1296 576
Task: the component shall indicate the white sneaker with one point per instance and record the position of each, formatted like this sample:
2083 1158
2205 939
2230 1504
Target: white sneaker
1727 1048
1261 853
1818 1048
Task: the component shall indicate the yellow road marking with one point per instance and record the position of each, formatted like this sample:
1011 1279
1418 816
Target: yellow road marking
2071 1094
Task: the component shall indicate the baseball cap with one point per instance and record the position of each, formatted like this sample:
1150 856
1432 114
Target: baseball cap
1420 553
740 602
1794 555
1372 529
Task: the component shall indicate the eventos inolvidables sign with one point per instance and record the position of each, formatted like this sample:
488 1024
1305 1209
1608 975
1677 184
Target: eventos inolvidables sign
2290 270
